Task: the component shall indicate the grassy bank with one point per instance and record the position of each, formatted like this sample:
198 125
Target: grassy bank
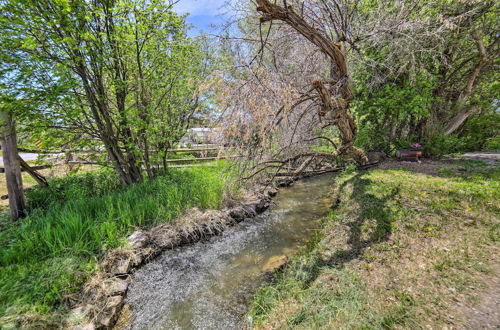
57 171
45 258
405 248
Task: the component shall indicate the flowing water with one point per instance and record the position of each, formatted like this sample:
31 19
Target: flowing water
208 285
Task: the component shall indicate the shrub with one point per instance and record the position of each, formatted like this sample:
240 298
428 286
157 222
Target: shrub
492 144
440 145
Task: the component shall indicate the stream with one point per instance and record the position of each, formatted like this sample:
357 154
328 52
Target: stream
208 285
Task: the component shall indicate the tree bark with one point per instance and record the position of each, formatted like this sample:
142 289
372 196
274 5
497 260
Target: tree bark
336 108
17 203
462 111
459 119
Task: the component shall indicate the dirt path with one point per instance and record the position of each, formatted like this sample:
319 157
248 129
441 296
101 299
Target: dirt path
489 157
485 312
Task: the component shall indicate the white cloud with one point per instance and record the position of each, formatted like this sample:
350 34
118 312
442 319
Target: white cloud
199 7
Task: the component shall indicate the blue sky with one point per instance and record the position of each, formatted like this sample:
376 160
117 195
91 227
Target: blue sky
202 13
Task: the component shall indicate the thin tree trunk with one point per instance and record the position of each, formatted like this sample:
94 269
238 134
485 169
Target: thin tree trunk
143 103
13 176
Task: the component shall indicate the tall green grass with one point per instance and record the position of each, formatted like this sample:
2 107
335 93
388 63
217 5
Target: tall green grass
71 187
47 255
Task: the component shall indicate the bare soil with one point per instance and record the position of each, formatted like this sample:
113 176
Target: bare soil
484 311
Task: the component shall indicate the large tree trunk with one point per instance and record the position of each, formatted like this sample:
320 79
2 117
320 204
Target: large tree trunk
463 112
337 109
459 119
13 176
450 118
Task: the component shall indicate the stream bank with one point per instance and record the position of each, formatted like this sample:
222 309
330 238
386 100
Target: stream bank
209 284
409 246
103 295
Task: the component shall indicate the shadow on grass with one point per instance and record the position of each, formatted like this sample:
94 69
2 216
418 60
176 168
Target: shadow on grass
372 208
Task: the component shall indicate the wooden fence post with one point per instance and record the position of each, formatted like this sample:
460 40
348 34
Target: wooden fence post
13 176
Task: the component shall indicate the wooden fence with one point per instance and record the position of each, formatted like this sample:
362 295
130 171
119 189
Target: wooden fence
185 162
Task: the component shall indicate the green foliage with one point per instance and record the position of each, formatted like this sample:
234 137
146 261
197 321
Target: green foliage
482 132
492 144
479 133
63 240
369 138
408 91
401 102
440 145
388 115
132 89
72 187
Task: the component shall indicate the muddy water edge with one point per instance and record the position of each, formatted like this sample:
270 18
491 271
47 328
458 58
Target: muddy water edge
208 285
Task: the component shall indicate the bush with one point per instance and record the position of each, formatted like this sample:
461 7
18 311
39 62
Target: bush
492 144
440 145
369 139
479 133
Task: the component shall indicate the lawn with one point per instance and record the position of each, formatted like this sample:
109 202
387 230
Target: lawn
405 248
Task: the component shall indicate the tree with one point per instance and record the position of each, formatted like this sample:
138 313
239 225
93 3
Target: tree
469 51
336 109
430 84
292 87
12 168
118 67
295 59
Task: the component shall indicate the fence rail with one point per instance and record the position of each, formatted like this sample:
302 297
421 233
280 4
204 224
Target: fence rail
36 168
176 163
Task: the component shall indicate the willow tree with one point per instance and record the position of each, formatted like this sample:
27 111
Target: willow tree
428 86
290 103
290 91
334 93
297 61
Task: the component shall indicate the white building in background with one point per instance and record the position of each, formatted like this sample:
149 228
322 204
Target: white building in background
199 135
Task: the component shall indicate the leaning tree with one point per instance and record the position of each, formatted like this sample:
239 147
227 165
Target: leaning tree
334 93
290 90
292 85
428 76
289 99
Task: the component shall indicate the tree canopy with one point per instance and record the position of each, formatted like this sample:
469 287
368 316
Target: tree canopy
121 75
